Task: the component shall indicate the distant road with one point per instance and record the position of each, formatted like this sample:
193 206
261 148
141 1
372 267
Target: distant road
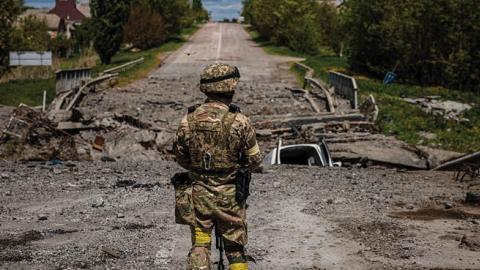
227 43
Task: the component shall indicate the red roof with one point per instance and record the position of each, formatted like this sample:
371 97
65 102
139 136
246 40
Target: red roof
67 10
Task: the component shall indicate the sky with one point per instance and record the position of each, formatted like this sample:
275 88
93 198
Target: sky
223 8
219 8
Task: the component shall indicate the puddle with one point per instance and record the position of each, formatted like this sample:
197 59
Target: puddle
434 214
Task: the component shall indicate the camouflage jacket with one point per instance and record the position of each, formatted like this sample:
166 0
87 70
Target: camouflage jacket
240 136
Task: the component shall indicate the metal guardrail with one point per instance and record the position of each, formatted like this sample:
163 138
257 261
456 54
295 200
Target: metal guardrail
123 67
69 79
88 84
345 86
309 80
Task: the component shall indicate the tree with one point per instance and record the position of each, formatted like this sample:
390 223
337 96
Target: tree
174 12
430 42
199 12
31 34
9 12
197 5
83 37
62 46
146 27
247 11
328 24
289 23
108 20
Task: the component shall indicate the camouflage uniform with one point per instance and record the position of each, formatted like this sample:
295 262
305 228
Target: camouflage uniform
210 142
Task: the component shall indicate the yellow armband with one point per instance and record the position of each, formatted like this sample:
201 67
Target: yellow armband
253 151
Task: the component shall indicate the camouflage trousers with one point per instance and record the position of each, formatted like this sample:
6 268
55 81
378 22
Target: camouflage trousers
217 206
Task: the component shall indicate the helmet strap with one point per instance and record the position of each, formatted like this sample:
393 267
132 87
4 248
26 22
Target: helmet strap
234 74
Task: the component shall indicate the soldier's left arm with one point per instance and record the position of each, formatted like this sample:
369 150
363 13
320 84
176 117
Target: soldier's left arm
251 150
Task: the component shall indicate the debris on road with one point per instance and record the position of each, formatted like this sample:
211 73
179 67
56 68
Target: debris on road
451 110
370 109
29 135
98 143
115 253
472 242
42 217
382 151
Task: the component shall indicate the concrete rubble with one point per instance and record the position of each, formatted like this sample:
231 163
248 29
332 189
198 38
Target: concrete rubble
451 110
29 135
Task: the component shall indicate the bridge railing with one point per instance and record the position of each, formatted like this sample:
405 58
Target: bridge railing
345 86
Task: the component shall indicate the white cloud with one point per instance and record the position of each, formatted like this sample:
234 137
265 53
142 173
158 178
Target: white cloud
223 8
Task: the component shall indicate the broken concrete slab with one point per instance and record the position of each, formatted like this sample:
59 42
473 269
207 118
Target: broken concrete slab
74 126
387 151
370 109
305 120
435 157
451 110
465 160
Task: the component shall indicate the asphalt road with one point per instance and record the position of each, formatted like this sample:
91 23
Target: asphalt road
119 215
225 43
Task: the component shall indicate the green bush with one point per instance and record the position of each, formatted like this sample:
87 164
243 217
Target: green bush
303 26
9 12
145 28
31 34
108 20
429 42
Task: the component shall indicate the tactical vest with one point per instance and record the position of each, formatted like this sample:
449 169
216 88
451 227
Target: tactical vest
210 143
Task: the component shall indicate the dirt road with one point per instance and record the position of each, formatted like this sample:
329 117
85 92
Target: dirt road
119 215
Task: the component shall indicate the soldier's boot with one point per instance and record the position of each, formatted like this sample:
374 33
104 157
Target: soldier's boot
199 256
236 256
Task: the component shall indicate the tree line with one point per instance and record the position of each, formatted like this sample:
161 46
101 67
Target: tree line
424 41
302 25
143 24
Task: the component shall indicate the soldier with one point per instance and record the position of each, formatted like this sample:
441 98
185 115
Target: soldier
213 141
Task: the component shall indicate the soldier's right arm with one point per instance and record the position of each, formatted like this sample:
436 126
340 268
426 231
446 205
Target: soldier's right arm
180 145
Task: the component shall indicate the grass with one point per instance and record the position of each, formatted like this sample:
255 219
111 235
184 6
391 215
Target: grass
404 120
153 58
30 92
397 117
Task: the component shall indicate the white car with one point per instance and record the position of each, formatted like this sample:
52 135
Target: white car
301 154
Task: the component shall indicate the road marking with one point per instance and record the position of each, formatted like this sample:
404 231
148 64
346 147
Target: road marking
219 45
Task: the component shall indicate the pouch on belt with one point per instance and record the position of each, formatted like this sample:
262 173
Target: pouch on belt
184 209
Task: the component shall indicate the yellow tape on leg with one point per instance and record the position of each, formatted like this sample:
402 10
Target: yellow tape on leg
202 238
239 266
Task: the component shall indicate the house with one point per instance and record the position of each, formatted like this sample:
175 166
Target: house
63 18
85 9
67 10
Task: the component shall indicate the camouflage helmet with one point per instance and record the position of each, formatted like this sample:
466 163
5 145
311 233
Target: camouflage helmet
219 79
